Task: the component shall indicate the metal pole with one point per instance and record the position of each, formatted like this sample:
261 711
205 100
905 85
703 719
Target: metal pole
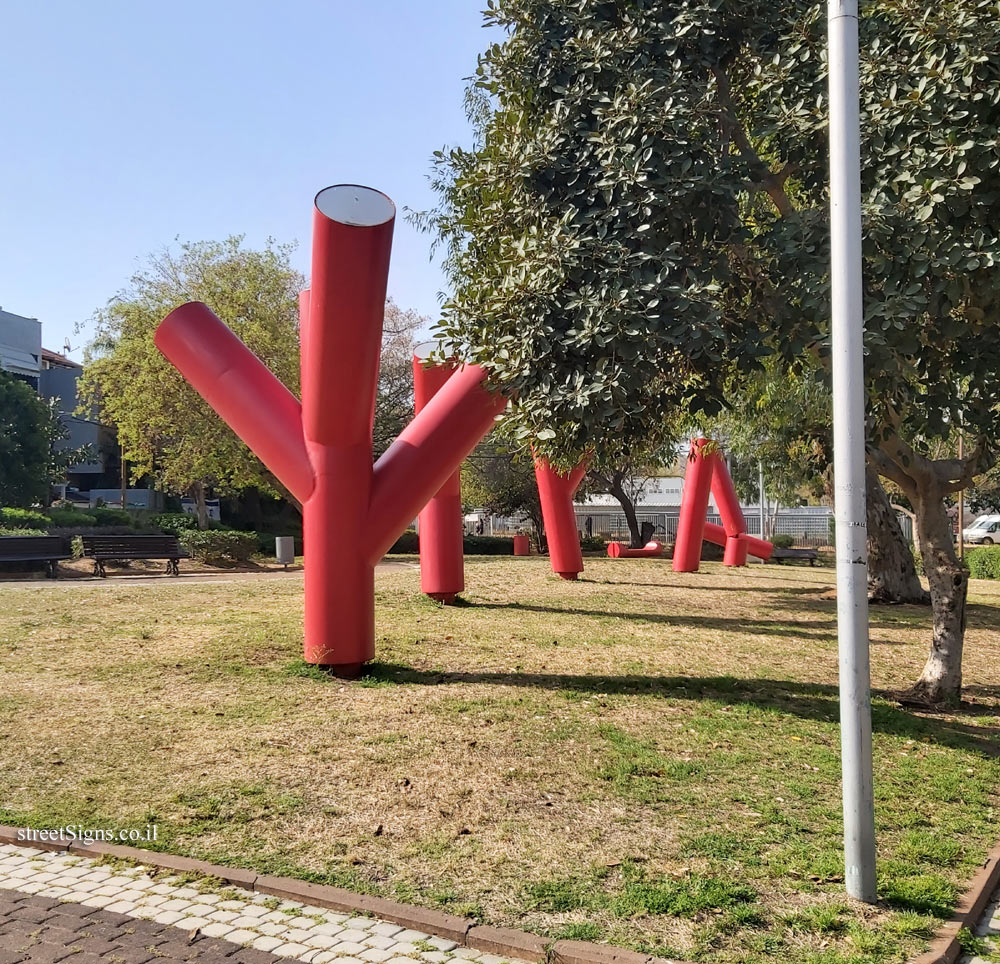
961 503
760 489
849 451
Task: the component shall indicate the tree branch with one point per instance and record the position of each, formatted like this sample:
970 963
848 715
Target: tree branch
771 182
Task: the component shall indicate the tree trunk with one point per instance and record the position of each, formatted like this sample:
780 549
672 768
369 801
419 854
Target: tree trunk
198 493
892 573
628 507
941 679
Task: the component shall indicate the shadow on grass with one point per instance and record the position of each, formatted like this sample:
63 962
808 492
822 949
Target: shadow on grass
815 701
764 627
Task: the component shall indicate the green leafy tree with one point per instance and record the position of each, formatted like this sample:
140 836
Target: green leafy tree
30 427
164 428
646 199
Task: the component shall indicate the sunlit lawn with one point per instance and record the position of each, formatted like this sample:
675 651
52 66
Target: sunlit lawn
640 757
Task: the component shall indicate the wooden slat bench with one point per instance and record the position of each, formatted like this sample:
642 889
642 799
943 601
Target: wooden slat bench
780 555
104 549
47 549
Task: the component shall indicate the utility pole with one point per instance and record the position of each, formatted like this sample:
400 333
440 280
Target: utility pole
847 329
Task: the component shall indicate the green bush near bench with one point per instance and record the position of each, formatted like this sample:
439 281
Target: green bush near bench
23 519
983 562
217 546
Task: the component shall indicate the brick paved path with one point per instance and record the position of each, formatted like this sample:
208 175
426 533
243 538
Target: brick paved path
989 929
56 906
43 930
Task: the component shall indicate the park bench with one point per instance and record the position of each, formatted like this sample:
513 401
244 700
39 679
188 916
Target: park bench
104 549
47 549
780 555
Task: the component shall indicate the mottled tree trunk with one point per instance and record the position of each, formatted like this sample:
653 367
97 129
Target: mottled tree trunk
941 679
892 573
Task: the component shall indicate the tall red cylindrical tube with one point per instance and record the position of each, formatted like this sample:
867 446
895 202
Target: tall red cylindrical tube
555 492
694 508
726 499
352 238
426 453
239 386
736 551
339 583
442 568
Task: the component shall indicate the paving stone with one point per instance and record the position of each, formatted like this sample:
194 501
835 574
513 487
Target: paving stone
98 917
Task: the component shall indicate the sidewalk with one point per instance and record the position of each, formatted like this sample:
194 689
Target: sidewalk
989 930
58 907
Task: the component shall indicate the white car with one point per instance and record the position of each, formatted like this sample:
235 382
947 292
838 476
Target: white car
985 530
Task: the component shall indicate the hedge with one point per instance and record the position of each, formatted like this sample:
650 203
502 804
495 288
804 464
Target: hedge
173 523
983 562
23 519
66 518
216 546
409 543
21 531
782 541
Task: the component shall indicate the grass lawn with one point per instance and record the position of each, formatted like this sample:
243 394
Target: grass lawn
640 757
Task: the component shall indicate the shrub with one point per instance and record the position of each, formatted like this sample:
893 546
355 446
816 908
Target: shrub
174 523
110 517
21 531
407 542
23 519
67 518
782 541
488 546
593 543
983 562
217 547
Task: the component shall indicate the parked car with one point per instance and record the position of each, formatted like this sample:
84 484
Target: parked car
985 530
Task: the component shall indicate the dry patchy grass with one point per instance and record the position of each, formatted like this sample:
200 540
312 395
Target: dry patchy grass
643 757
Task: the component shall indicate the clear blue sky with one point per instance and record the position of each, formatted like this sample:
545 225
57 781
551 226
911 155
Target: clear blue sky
125 125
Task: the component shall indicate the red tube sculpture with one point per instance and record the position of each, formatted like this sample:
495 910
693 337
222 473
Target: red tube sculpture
694 508
322 450
617 551
707 470
555 492
442 569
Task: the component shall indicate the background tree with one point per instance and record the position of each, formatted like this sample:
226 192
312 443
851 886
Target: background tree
779 419
647 198
499 477
625 472
394 401
164 428
30 427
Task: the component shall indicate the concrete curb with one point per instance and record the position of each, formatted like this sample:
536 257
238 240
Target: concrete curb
502 941
945 948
